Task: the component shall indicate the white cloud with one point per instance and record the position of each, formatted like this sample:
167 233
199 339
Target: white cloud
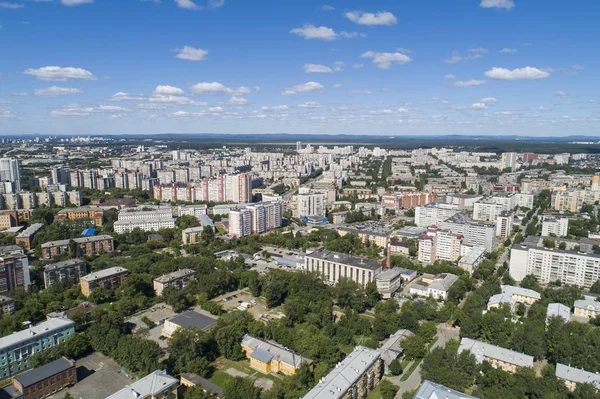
468 83
75 2
214 4
19 94
76 110
562 94
388 111
187 4
257 89
367 18
338 66
309 31
191 54
449 76
578 67
237 101
358 91
111 108
479 105
527 73
302 88
215 109
385 60
478 50
317 68
56 91
506 4
337 85
218 88
7 113
328 8
276 108
120 96
358 66
171 99
453 60
310 104
508 50
168 90
10 5
55 73
487 100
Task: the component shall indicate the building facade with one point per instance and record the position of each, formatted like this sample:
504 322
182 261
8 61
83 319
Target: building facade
83 246
270 357
108 278
46 380
177 279
332 266
71 269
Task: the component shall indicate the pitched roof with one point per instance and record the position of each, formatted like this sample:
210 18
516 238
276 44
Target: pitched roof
481 350
431 390
512 290
274 350
587 304
39 374
576 375
146 387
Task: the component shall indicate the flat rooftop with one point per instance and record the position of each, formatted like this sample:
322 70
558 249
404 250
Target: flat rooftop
193 319
337 257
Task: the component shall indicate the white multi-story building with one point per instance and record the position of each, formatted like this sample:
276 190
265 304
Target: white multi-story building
240 222
508 160
439 245
548 265
146 220
9 172
434 213
263 217
474 233
486 210
435 286
332 266
311 203
552 226
504 224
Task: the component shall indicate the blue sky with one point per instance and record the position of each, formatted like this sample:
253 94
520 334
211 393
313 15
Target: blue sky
486 67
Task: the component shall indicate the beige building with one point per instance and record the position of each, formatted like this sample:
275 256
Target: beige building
587 308
332 266
572 376
496 356
177 279
270 357
521 295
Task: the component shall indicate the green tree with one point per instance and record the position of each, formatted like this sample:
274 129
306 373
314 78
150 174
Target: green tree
197 392
447 367
531 282
595 288
240 388
414 347
395 367
387 389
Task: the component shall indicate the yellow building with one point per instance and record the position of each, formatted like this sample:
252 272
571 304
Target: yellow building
270 357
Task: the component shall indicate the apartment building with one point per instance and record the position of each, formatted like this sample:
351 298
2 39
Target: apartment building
109 278
156 385
487 210
498 300
270 357
223 188
191 235
431 390
434 213
310 203
555 226
504 224
472 259
438 244
558 310
146 220
496 356
265 216
586 308
368 233
240 223
464 201
549 264
354 377
25 238
14 269
436 286
332 266
91 213
84 246
17 348
177 279
475 234
389 281
406 200
573 376
46 380
521 295
71 269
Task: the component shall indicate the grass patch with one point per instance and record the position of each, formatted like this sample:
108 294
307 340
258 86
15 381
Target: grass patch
220 378
375 393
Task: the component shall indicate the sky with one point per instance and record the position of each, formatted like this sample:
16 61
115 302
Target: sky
377 67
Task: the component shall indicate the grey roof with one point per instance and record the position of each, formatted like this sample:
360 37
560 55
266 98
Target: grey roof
391 349
576 375
335 384
146 387
64 264
206 221
512 290
104 273
25 335
261 355
204 383
483 350
473 255
587 304
389 274
34 228
443 281
193 319
558 310
175 275
502 298
272 348
39 374
79 240
10 249
345 259
431 390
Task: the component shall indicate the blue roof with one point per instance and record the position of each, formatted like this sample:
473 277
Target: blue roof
89 232
261 355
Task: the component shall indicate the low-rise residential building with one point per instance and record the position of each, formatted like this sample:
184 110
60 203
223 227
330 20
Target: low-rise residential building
189 380
472 259
109 278
367 233
25 238
177 279
156 385
188 319
388 282
558 310
498 357
191 235
7 305
17 348
499 299
522 295
270 357
71 269
84 246
435 286
586 308
332 266
91 213
431 390
572 376
354 377
46 380
146 220
392 348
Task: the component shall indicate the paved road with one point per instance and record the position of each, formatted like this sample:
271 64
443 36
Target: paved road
444 335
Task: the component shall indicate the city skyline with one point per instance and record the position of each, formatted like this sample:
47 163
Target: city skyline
490 67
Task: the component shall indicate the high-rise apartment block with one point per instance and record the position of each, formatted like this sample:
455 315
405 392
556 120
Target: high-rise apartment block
311 203
14 269
9 172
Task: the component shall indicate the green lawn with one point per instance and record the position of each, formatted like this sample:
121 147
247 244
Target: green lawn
375 394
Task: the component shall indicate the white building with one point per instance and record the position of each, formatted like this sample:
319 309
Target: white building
146 220
332 266
388 282
474 233
9 172
487 210
504 224
435 286
434 213
311 203
439 245
240 223
556 227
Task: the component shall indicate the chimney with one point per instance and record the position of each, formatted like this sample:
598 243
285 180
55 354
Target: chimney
389 256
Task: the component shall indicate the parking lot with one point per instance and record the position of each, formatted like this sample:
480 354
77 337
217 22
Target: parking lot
98 377
156 313
258 309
